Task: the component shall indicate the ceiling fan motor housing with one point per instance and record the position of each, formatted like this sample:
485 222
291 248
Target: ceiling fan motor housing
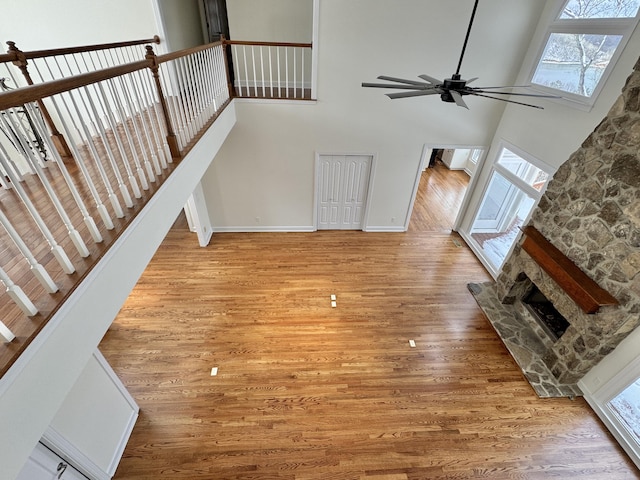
454 83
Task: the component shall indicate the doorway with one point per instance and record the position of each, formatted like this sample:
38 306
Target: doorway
217 25
445 174
342 191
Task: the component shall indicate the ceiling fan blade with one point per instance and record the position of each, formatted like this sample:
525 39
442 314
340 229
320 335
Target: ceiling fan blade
430 79
458 99
416 93
503 86
472 80
505 100
399 80
404 87
479 90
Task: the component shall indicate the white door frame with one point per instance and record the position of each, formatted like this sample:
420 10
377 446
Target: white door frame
316 187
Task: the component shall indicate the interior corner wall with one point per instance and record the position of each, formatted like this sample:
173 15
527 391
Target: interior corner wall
35 25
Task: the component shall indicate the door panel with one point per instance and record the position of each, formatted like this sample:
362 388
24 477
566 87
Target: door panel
342 191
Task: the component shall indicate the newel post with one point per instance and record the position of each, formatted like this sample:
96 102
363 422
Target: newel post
227 65
59 141
172 140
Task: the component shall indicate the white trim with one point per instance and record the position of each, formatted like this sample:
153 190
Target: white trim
314 49
416 184
274 101
164 46
275 228
384 229
473 183
78 460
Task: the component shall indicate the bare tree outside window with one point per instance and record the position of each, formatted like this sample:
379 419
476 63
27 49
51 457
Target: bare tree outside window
574 61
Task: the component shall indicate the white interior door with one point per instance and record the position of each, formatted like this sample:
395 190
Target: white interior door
343 183
43 464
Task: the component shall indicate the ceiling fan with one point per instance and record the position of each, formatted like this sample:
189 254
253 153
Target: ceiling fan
451 89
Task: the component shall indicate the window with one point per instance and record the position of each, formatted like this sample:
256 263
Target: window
583 43
516 184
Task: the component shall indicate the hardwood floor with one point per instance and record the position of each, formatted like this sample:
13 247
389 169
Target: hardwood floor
307 391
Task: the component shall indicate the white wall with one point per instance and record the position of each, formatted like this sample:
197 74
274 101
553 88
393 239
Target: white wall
35 387
180 24
272 177
270 21
37 24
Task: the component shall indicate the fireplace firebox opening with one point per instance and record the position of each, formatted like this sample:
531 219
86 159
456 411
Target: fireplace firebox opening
552 321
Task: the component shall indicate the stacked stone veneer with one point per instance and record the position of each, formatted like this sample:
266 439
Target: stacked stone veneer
591 212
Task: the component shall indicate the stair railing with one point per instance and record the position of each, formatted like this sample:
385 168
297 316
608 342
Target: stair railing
124 126
57 63
272 70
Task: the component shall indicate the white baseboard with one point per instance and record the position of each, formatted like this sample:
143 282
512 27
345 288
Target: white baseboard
252 229
373 229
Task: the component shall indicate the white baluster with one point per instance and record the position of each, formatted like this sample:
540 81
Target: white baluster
116 134
270 72
18 296
131 115
79 160
125 127
38 270
262 71
279 68
6 333
124 191
246 71
115 203
9 122
57 250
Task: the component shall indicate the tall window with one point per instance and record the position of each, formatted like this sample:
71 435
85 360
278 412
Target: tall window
583 43
515 187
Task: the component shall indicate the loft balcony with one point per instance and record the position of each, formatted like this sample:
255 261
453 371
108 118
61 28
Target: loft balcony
93 140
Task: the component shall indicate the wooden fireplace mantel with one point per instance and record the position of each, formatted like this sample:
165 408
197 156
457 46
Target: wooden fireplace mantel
587 294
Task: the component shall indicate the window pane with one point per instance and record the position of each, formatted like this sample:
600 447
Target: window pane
500 216
522 169
600 9
575 63
627 408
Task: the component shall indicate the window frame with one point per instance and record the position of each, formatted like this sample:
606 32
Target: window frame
595 26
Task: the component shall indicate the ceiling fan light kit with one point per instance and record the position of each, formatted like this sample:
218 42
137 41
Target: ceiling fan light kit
451 90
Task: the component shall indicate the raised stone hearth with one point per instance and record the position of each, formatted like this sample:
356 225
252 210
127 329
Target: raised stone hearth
524 339
590 213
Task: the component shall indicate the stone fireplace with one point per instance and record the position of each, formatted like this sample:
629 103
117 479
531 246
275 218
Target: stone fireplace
591 214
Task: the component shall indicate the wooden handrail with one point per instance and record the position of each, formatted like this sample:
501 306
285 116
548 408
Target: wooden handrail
167 57
12 56
32 93
587 294
268 44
